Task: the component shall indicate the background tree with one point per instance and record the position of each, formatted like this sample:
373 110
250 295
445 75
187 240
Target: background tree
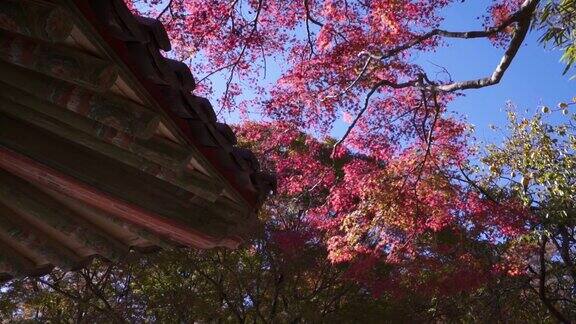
537 164
558 21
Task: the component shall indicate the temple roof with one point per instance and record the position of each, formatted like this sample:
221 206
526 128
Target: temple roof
104 149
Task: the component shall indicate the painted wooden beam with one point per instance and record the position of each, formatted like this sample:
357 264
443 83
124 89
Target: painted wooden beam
135 237
158 150
14 263
198 184
59 61
42 175
117 178
33 262
36 19
59 222
116 112
12 227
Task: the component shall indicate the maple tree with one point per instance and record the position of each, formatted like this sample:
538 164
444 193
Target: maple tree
536 164
383 193
400 225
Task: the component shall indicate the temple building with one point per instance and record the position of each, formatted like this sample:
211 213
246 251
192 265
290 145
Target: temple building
104 149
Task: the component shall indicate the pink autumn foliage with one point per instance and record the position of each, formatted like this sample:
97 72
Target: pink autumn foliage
385 197
498 220
398 210
499 12
290 242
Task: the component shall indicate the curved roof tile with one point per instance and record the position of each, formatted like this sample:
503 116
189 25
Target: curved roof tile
138 41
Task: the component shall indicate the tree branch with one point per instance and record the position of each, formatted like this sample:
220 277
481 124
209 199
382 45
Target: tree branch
372 91
244 48
168 7
356 80
308 33
526 9
542 284
309 16
523 17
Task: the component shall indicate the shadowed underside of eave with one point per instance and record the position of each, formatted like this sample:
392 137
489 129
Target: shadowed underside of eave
92 161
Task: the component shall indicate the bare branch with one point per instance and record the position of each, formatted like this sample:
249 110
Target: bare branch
309 16
515 43
527 9
542 284
429 138
318 23
222 68
372 91
358 77
308 33
96 291
523 19
244 48
168 7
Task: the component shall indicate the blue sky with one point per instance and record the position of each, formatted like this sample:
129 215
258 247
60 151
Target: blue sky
534 78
